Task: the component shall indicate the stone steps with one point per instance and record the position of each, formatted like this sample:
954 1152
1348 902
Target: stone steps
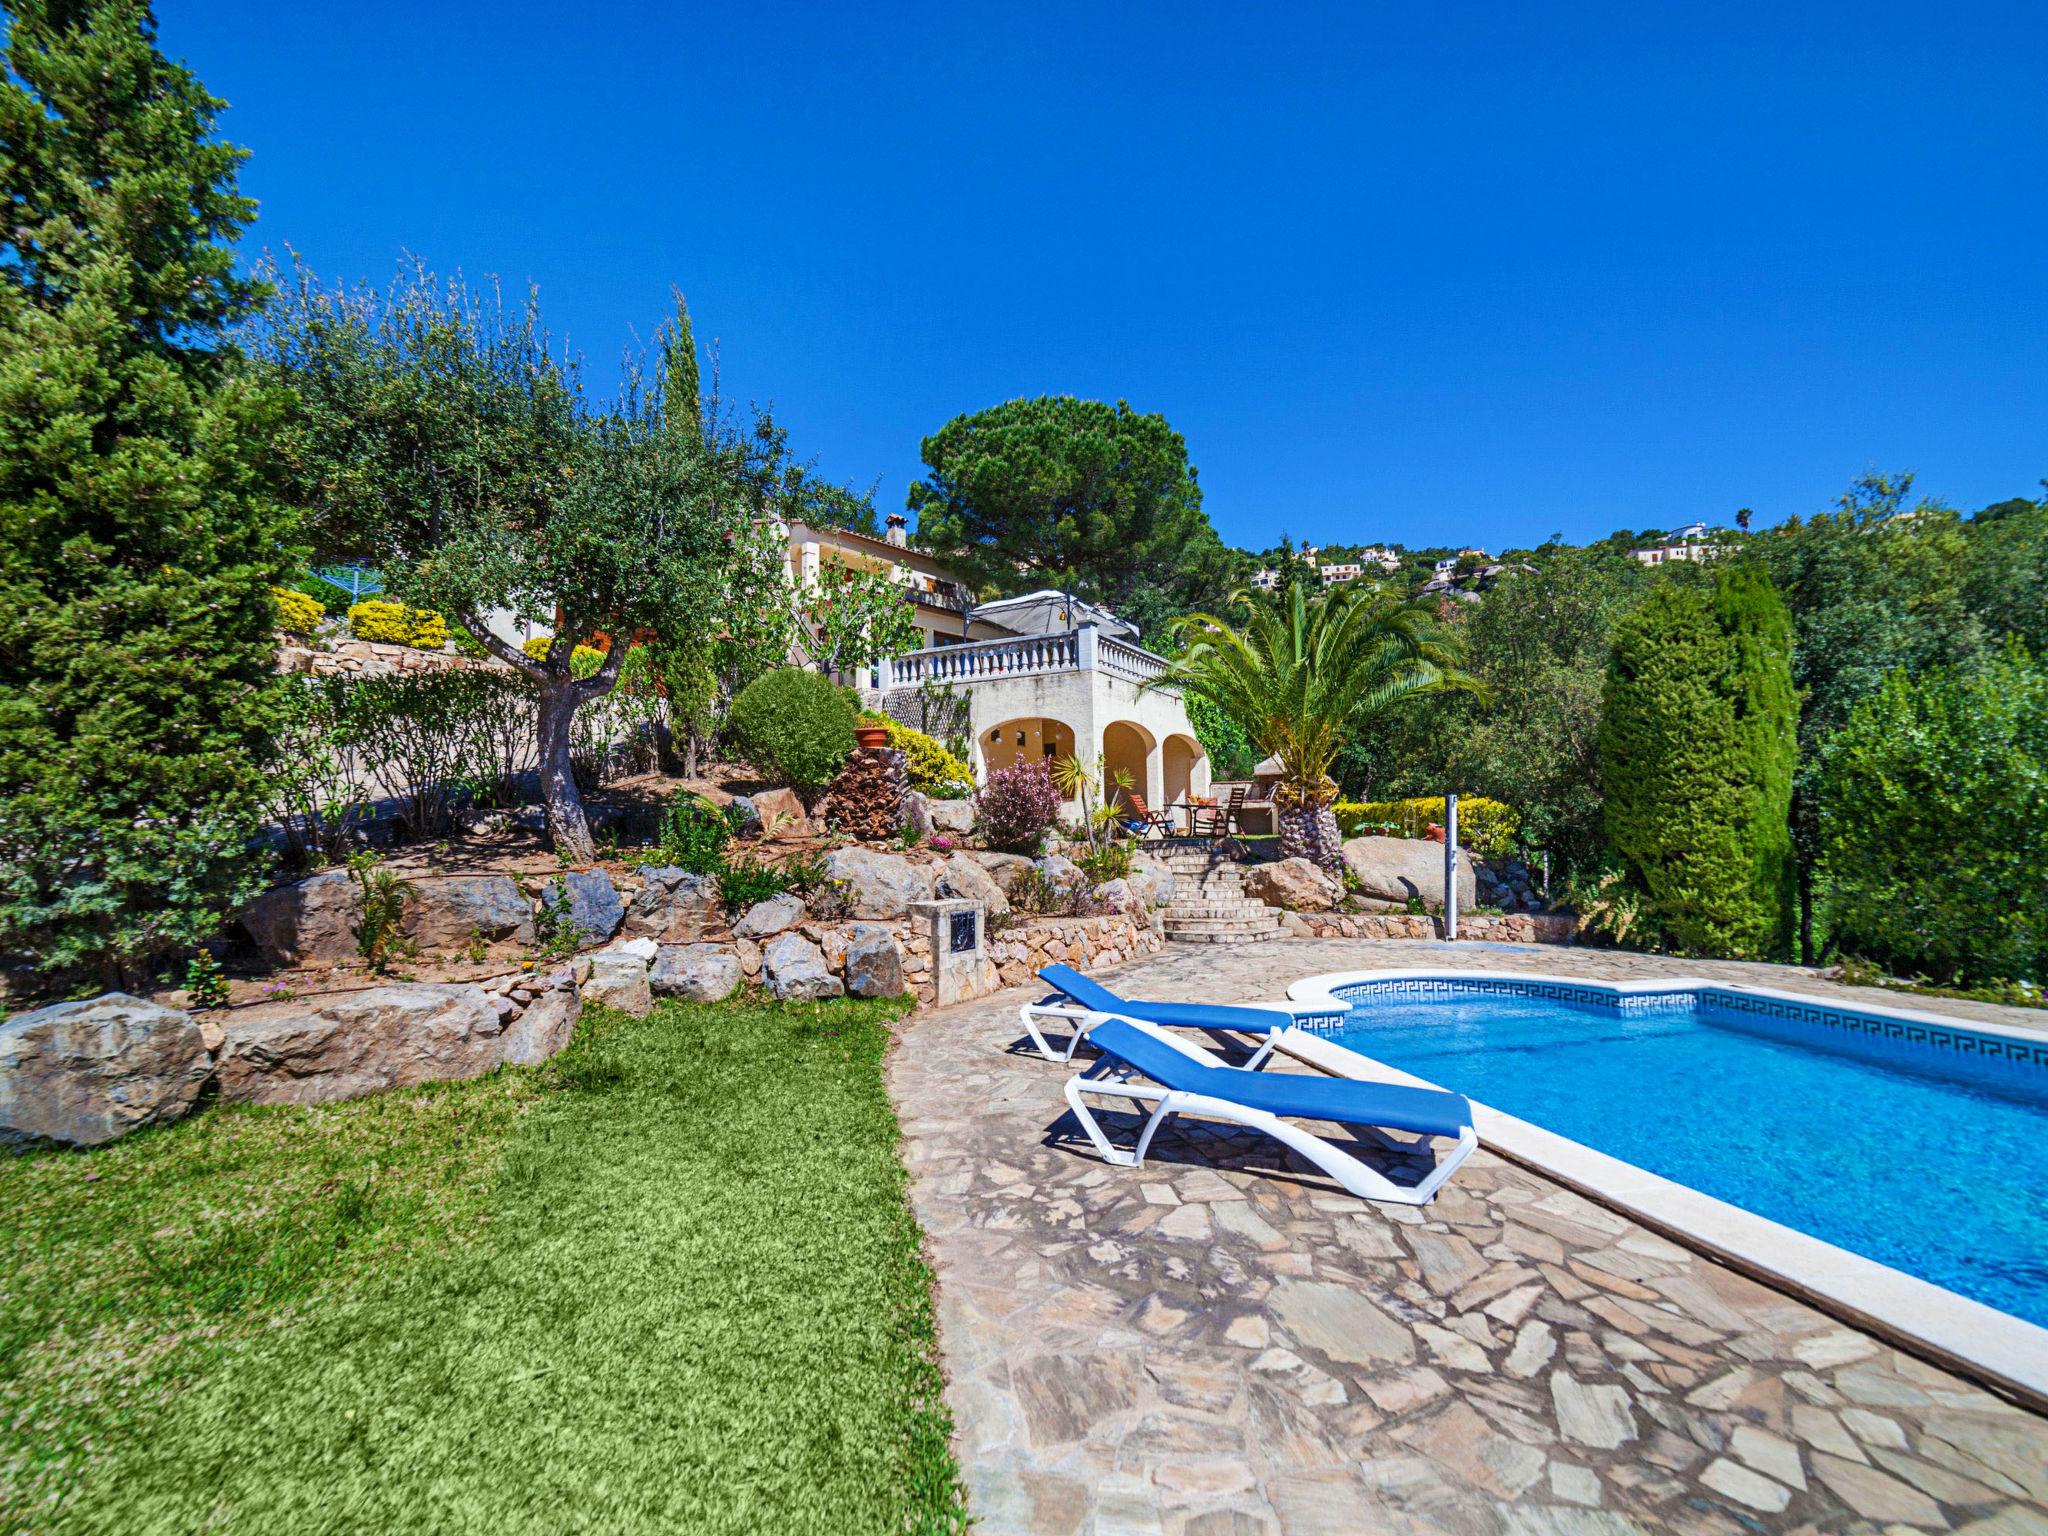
1209 904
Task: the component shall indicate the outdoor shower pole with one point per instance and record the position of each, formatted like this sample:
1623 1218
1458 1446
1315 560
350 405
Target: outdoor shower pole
1450 866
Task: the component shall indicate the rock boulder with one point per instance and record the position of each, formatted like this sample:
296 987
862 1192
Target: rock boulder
89 1072
674 906
351 1043
543 1030
955 818
310 919
962 876
767 918
874 962
1003 868
618 979
591 901
451 912
1295 884
781 814
698 973
877 884
1400 868
795 968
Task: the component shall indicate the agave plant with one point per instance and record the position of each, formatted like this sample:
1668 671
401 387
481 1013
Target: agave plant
1299 676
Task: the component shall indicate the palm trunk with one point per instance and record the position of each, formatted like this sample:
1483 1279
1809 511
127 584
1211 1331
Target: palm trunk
568 827
1310 832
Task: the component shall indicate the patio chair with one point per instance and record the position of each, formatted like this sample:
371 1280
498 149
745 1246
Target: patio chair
1147 1066
1079 1001
1144 819
1222 820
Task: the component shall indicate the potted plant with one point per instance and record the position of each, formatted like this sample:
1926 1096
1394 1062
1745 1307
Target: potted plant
871 729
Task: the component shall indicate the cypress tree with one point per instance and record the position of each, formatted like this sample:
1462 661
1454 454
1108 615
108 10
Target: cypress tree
1696 754
137 539
1766 705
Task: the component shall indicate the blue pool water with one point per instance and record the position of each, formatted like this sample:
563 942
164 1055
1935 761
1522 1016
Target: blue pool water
1938 1168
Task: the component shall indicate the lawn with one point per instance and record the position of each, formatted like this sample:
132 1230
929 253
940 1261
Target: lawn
669 1281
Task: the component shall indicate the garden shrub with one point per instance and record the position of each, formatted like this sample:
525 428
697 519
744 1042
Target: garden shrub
794 726
931 768
694 833
746 881
388 623
1016 805
1112 861
440 740
1934 823
297 614
1485 826
1696 751
331 597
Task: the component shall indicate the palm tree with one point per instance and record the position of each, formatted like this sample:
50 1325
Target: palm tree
1298 676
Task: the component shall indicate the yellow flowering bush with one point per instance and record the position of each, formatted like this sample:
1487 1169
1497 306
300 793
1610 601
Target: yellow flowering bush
584 660
388 623
929 766
1487 827
297 614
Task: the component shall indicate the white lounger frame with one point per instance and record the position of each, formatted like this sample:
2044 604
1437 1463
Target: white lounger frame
1080 1020
1109 1078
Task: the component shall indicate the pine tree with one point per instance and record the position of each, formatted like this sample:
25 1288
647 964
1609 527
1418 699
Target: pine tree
1696 763
137 539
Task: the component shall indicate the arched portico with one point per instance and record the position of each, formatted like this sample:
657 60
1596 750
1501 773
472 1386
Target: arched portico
1184 769
1028 739
1129 750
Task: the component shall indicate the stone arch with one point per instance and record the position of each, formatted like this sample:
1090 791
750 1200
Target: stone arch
1127 747
1026 738
1179 757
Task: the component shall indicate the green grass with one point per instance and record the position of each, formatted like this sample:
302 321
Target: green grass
668 1282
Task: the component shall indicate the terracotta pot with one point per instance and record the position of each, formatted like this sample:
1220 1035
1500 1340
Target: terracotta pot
871 735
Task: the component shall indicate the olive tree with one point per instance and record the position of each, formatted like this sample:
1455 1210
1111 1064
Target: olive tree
441 437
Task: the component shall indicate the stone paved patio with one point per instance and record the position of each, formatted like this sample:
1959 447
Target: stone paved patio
1222 1344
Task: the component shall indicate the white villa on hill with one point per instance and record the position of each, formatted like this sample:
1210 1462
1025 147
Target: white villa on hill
1041 676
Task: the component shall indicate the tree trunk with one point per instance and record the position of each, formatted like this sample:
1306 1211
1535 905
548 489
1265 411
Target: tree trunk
567 825
1807 953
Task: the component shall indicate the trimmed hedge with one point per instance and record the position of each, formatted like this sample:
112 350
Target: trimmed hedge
388 623
795 726
1487 827
297 614
931 768
1932 824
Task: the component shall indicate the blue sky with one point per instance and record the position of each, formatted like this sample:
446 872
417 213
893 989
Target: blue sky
1437 273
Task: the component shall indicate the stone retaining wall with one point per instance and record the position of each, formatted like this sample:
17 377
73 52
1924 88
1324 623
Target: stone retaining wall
1513 928
367 658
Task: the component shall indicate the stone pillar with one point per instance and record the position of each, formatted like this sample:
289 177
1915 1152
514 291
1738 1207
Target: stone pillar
961 968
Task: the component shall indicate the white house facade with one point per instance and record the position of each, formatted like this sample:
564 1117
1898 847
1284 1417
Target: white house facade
1066 681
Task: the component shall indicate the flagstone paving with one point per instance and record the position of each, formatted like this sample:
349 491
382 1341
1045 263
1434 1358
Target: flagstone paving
1224 1344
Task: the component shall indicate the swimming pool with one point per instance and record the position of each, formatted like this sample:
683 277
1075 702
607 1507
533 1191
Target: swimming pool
1919 1145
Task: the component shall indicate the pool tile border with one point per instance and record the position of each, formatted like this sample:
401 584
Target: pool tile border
2002 1352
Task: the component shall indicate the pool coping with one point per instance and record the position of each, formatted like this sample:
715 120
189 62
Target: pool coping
2004 1353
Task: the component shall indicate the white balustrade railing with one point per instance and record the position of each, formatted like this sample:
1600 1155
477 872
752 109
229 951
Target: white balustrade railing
1073 650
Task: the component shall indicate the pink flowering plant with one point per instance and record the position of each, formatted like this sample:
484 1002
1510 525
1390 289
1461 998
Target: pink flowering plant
1015 805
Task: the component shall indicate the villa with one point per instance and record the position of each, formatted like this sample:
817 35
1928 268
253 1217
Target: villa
1038 677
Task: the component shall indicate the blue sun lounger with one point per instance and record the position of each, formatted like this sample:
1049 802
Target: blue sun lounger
1146 1065
1078 1000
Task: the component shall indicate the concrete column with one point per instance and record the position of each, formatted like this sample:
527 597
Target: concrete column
1155 774
1088 647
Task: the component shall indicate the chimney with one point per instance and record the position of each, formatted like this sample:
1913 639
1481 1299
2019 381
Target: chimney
899 527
